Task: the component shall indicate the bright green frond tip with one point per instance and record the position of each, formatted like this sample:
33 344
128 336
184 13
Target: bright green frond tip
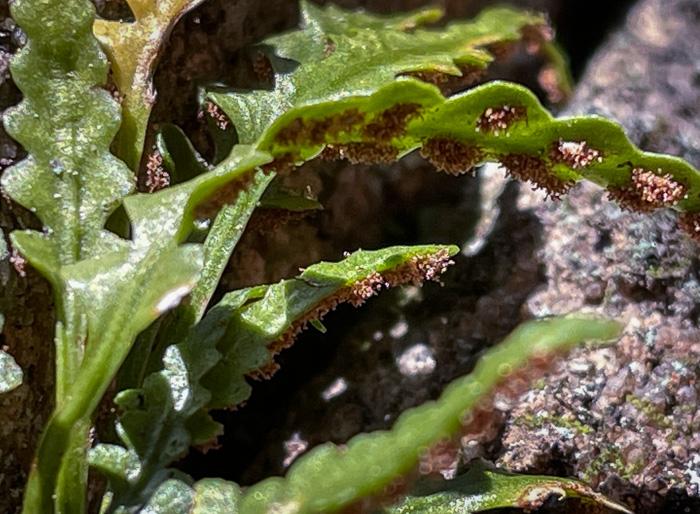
330 477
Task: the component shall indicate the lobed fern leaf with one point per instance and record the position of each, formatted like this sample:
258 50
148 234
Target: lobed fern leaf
66 123
238 337
339 57
374 111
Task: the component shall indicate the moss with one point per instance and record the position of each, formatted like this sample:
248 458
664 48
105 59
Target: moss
645 406
539 420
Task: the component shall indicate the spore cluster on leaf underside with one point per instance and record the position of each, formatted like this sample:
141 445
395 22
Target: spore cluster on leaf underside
554 167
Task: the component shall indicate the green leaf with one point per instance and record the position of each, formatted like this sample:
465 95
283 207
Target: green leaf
10 372
484 488
154 419
343 57
66 123
177 207
344 90
266 319
223 238
330 477
119 293
237 337
279 197
216 496
181 160
504 122
70 180
133 50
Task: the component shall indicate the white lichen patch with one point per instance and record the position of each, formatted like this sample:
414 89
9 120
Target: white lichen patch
336 388
294 447
416 360
399 330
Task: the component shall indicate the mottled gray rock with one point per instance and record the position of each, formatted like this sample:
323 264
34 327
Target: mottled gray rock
630 425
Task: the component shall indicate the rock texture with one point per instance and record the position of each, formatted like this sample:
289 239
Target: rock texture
625 418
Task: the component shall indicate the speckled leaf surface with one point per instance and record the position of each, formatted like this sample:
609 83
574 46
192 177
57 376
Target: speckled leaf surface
330 477
238 337
337 58
484 488
216 496
133 49
66 123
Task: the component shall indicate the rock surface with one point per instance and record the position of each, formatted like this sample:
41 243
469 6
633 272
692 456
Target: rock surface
625 418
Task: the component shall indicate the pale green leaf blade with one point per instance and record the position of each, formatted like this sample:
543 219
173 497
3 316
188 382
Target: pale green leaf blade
154 281
223 237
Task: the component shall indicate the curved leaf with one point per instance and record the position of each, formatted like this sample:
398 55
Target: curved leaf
266 319
329 477
484 488
133 50
345 101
